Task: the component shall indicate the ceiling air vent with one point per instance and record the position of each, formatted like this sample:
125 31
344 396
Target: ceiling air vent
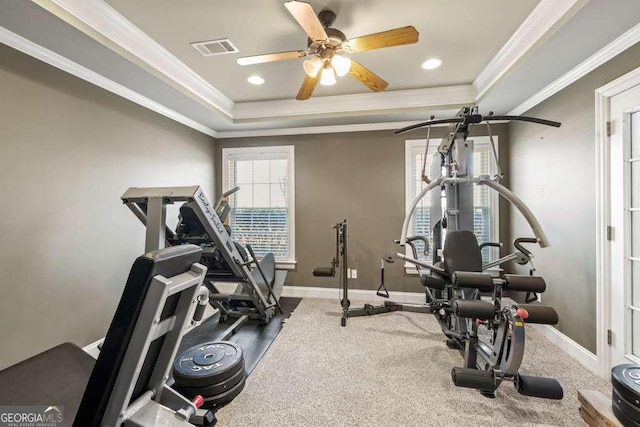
214 47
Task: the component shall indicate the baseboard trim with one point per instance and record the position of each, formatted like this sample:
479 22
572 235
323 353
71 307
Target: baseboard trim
367 295
572 348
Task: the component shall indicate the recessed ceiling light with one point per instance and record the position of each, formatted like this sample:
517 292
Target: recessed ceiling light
432 63
255 80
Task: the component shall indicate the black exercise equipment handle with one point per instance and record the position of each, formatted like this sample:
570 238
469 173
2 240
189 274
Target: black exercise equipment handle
490 244
518 244
423 239
489 118
428 123
523 119
199 313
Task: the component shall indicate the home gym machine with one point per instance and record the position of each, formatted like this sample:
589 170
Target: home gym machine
256 296
340 261
464 298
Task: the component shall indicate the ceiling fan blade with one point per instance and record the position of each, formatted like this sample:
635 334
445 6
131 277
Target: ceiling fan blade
367 77
306 17
307 88
395 37
270 57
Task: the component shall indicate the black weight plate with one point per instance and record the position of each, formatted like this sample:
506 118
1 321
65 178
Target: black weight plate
631 410
214 389
623 417
207 364
623 379
216 402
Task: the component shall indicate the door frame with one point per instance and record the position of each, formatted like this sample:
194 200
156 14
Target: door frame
603 97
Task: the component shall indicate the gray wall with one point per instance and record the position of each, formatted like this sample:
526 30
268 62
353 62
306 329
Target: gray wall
68 151
553 171
357 176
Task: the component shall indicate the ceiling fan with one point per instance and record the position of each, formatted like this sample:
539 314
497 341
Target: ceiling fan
326 46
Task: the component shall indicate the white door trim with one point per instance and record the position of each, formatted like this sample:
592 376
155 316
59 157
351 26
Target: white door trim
603 213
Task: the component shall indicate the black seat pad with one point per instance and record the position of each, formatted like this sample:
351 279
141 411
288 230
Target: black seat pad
461 252
56 377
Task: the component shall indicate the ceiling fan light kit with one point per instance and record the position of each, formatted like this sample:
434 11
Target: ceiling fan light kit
325 47
328 77
341 64
312 66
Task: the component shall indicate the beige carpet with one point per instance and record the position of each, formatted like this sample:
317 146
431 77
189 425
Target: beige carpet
391 369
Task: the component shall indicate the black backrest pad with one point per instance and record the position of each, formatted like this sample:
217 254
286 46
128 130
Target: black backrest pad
461 252
190 220
167 262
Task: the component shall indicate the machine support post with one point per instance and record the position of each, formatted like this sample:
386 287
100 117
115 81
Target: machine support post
156 219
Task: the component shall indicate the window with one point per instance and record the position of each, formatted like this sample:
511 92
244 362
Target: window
262 212
485 200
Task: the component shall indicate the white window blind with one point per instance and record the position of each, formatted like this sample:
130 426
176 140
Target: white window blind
261 212
485 201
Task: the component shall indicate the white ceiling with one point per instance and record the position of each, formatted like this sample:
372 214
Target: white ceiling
496 53
464 34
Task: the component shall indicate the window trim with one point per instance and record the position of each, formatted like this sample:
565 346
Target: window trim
494 197
260 153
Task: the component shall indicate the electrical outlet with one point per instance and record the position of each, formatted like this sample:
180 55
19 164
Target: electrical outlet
354 273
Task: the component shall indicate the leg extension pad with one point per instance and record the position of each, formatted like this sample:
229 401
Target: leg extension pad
474 309
547 388
473 378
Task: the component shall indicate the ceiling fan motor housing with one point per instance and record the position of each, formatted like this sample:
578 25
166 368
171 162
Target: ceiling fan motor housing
327 18
336 38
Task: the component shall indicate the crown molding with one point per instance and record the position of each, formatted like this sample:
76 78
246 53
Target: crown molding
547 14
602 56
109 23
45 55
448 96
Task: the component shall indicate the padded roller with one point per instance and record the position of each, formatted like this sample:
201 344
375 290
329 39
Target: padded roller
540 314
468 279
474 309
522 283
323 272
473 378
433 282
547 388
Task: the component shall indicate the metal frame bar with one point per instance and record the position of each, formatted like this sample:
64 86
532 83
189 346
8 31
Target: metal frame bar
149 205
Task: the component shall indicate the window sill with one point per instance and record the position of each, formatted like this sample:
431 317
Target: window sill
286 265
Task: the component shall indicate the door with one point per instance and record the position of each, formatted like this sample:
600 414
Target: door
625 220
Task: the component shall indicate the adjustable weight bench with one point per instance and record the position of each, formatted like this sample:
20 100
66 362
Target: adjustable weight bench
127 384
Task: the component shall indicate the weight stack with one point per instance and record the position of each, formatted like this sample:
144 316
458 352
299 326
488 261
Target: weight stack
213 370
625 400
